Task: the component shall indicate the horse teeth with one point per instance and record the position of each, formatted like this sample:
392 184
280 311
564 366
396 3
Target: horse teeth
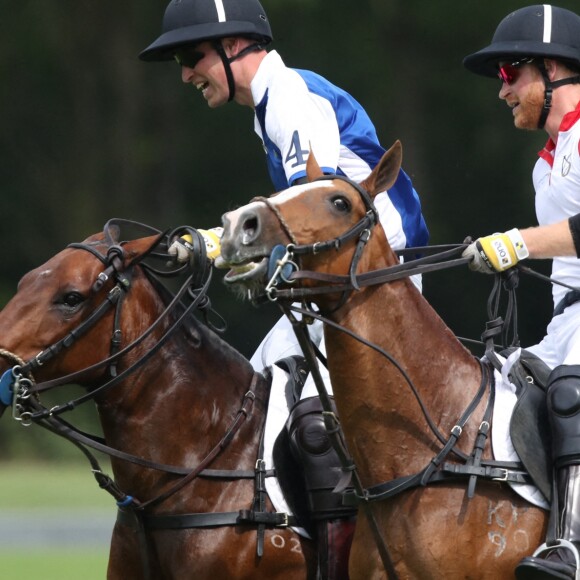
244 268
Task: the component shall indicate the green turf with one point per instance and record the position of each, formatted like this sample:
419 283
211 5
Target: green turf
26 486
29 487
53 565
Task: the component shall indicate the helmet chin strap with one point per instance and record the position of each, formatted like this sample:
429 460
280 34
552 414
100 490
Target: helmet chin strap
217 44
550 86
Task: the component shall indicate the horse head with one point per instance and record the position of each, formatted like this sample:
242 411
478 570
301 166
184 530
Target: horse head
182 412
58 299
329 212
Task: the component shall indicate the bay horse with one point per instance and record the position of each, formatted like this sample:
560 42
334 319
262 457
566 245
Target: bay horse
388 408
182 411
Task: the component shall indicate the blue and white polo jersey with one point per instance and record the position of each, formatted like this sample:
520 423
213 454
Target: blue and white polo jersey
297 111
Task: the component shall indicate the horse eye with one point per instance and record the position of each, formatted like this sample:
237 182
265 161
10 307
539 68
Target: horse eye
72 299
341 204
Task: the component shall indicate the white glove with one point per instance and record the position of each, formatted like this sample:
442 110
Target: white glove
181 248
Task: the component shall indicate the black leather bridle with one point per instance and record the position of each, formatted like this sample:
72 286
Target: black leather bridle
28 409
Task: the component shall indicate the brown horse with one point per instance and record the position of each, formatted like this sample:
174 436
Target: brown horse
432 531
172 399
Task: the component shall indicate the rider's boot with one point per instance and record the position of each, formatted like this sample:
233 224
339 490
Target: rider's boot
558 557
311 446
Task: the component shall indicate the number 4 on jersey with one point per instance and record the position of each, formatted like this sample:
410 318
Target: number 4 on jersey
296 152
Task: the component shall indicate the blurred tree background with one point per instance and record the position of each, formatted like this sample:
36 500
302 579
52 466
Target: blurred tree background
90 132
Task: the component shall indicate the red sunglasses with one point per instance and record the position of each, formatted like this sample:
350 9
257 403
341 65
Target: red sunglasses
508 73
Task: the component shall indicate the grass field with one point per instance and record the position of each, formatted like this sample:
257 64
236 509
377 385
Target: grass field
52 489
53 485
53 565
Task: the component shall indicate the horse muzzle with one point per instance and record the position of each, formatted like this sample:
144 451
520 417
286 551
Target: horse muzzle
242 253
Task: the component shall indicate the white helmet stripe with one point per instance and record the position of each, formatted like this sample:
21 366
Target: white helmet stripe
219 6
547 23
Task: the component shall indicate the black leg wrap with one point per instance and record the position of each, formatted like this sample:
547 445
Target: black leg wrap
558 557
312 448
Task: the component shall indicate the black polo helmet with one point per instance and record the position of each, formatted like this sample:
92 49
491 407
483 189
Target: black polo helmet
188 22
541 30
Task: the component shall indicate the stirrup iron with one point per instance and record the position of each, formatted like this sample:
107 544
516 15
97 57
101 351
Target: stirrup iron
561 544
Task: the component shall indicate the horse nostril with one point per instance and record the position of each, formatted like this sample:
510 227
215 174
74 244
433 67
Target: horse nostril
249 230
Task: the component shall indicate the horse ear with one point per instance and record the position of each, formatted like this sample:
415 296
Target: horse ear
134 249
386 172
115 232
313 170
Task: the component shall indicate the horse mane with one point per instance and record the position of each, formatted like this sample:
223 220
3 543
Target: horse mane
196 330
190 323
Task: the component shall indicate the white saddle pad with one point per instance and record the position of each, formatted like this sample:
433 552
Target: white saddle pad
276 418
503 449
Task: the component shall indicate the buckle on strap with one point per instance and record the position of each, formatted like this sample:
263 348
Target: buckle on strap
272 519
503 476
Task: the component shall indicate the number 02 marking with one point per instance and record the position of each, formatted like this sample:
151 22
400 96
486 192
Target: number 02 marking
279 542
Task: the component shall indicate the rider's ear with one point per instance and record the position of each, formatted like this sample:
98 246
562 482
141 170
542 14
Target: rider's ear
231 46
552 67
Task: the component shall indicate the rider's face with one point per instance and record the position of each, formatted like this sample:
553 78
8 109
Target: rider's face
207 74
525 96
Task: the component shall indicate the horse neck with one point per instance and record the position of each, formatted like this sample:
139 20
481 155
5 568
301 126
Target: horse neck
374 400
178 406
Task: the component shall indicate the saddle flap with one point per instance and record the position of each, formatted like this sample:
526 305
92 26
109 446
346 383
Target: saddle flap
529 427
291 481
528 365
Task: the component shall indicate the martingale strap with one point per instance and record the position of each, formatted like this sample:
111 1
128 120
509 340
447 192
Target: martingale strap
132 513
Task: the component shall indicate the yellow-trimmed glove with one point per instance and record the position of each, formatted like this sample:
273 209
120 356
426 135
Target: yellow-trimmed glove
182 246
212 239
496 253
